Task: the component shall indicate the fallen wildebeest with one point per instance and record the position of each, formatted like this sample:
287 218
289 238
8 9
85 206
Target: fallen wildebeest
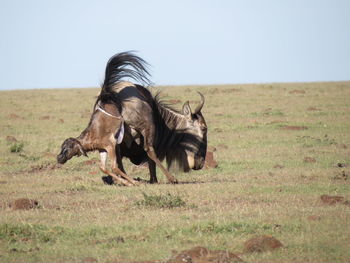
152 130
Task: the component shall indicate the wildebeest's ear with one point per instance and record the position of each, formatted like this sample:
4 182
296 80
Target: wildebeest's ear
82 151
186 109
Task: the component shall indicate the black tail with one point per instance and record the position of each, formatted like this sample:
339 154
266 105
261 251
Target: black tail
125 65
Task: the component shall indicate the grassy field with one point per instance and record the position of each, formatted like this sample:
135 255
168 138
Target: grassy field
279 147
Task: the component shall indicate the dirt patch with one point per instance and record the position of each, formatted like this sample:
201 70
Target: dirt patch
293 128
261 244
309 160
297 91
91 162
314 218
342 146
13 116
24 204
331 200
11 139
89 260
46 117
44 167
209 161
204 255
313 109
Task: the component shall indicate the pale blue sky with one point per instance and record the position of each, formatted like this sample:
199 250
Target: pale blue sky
54 44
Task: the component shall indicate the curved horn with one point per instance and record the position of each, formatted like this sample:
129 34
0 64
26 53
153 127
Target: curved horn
200 105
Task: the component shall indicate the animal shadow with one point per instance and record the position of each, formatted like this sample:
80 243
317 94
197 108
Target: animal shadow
109 181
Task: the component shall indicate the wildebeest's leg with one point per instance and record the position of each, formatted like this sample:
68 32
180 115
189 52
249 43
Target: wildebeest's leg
103 168
148 135
103 159
152 171
113 157
151 154
119 160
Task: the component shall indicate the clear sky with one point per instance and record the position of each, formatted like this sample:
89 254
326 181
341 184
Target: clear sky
66 43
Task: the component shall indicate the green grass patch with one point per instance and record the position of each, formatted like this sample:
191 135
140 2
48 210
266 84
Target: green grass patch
236 228
30 233
311 141
17 147
167 200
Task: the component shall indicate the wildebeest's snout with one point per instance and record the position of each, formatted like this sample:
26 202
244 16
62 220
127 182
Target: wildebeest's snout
62 157
69 148
199 163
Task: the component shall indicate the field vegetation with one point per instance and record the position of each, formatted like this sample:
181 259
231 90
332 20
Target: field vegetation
283 154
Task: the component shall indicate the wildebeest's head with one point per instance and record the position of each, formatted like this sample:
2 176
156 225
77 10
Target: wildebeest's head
70 147
196 139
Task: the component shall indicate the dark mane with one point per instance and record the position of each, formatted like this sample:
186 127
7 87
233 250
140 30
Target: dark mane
163 103
172 137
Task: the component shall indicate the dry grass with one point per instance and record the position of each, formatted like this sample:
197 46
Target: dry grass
264 185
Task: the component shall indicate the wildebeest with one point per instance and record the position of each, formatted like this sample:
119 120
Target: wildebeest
104 132
153 131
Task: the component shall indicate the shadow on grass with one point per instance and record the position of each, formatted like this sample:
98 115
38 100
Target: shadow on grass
109 181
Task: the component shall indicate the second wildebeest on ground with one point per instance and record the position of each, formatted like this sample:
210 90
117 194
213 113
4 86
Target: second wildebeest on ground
104 132
154 131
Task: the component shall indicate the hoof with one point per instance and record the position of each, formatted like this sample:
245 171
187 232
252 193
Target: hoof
135 183
175 181
107 180
153 182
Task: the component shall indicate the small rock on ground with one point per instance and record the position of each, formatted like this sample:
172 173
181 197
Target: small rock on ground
24 204
209 161
331 200
261 244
